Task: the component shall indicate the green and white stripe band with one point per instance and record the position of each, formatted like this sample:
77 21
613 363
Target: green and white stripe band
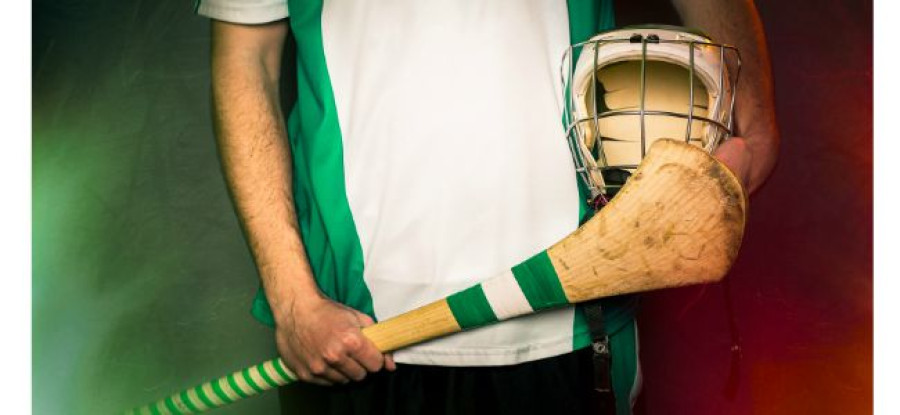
505 296
225 390
529 286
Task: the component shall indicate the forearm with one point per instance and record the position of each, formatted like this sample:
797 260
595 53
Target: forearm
736 22
255 157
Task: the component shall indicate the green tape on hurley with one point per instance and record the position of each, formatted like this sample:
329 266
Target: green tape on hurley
471 308
538 280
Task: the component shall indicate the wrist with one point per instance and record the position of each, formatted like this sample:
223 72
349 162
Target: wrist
285 308
289 297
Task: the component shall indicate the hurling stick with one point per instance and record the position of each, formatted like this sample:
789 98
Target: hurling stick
679 220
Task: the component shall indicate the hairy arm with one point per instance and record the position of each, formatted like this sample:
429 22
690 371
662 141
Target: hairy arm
753 152
319 339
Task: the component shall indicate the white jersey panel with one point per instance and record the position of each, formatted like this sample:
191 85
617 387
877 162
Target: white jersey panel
243 11
455 160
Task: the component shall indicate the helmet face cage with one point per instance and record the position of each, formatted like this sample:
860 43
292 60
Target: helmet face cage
626 88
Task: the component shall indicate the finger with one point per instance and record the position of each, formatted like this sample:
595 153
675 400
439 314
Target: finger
368 355
319 381
362 350
338 359
335 376
323 370
351 369
389 362
307 377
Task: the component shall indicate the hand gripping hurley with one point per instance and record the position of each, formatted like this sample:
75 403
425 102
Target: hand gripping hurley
679 220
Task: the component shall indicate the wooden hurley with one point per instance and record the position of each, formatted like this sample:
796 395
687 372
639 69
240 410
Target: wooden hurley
679 220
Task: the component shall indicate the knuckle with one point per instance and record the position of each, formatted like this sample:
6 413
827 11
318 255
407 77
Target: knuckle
317 368
305 376
351 342
332 356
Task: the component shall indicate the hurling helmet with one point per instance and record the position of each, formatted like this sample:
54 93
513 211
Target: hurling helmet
626 88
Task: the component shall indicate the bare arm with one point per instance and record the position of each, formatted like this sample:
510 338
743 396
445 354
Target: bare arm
736 22
319 339
255 157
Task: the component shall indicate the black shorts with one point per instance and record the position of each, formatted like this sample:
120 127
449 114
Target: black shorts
556 385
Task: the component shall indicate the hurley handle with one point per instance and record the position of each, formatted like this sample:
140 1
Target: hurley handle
424 323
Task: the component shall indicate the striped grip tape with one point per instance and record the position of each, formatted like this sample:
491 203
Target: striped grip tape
223 391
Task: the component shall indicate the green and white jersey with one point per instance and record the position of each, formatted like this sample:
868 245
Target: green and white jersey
429 155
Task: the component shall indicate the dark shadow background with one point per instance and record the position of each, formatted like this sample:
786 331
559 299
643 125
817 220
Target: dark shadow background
141 281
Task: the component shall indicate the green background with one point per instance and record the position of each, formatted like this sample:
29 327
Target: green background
141 280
